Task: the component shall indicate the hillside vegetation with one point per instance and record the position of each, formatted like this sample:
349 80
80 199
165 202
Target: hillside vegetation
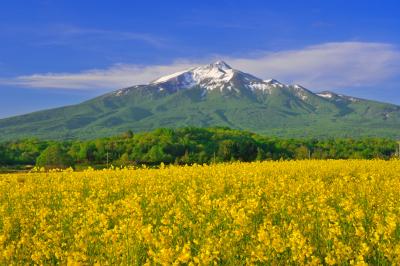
186 146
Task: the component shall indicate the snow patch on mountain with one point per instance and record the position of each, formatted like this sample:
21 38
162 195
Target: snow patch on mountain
124 91
274 83
325 94
260 86
337 97
168 77
300 92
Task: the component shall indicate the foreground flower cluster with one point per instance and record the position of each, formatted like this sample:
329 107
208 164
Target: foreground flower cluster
298 212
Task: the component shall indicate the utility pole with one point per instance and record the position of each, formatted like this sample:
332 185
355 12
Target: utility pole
107 159
398 149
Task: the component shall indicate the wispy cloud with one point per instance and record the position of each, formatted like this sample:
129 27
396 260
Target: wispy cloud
64 34
324 66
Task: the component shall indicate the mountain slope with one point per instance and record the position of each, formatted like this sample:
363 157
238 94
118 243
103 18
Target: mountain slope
212 95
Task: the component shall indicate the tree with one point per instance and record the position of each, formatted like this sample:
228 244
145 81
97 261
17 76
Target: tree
128 134
157 155
3 155
54 156
87 152
260 154
124 160
226 150
302 152
246 150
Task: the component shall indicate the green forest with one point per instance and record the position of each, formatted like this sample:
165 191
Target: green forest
184 146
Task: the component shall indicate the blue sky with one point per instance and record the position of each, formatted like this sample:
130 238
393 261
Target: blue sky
54 53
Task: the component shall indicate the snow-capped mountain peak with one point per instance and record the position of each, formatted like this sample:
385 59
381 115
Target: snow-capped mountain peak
219 76
218 69
274 83
212 76
221 65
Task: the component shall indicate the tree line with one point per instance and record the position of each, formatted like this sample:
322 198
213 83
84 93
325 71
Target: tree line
185 146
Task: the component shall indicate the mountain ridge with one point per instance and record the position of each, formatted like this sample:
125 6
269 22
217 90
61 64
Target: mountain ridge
212 95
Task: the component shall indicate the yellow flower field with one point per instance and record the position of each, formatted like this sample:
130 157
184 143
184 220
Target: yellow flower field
295 212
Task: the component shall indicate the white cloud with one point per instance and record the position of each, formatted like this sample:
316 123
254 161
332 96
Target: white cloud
324 66
117 76
329 65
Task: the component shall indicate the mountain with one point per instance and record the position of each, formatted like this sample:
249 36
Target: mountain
212 95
